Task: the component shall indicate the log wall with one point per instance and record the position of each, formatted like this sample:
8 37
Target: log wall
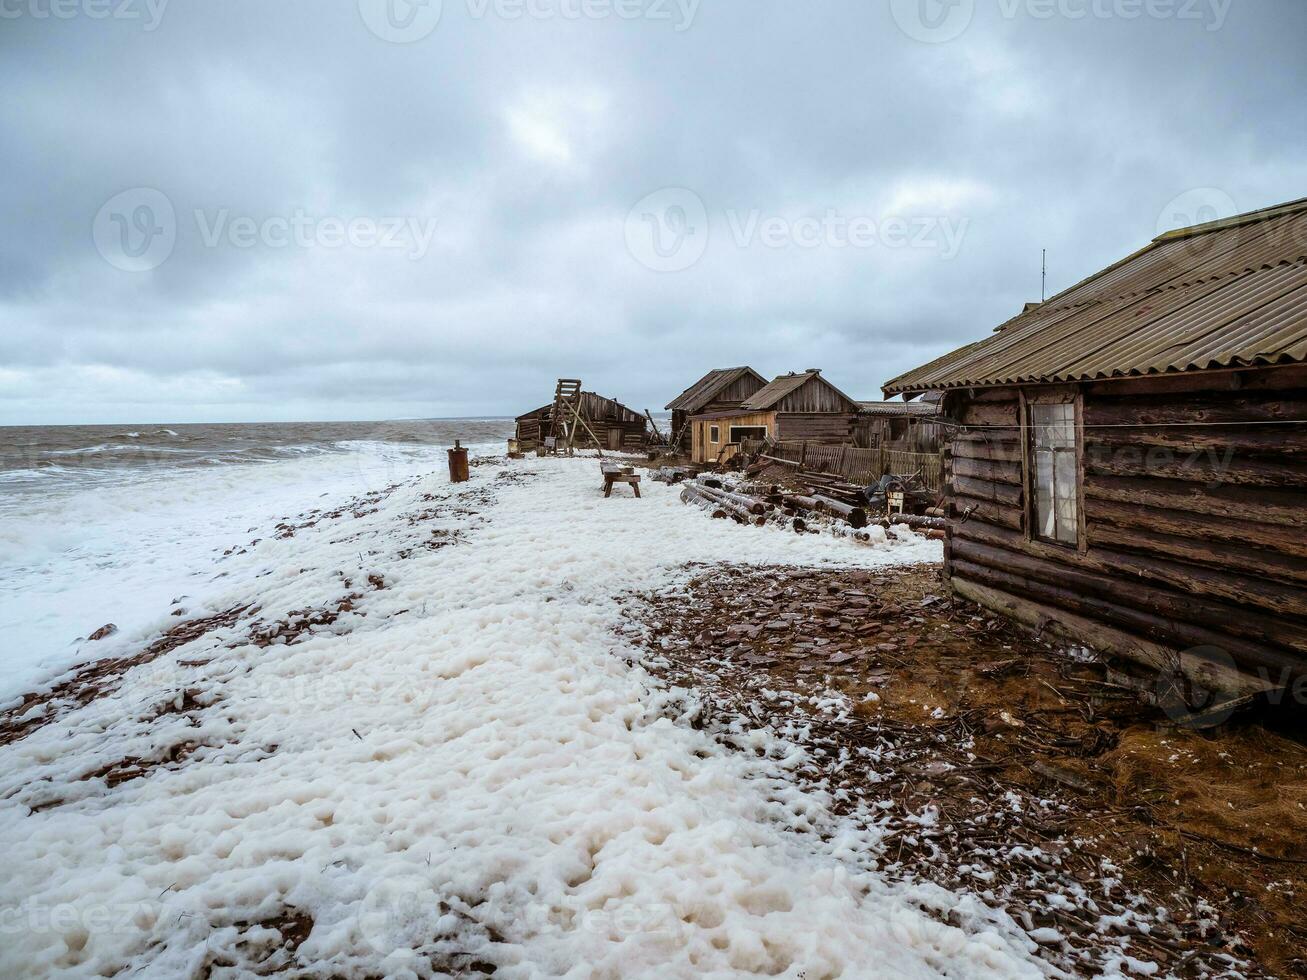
1191 535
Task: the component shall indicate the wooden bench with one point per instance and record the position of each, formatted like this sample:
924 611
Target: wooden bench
619 474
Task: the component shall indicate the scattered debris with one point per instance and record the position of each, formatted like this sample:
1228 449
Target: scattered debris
996 763
102 677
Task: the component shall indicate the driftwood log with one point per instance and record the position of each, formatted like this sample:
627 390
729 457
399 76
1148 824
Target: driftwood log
753 505
914 522
690 495
720 499
856 516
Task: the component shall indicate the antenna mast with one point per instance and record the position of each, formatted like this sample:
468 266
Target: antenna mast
1043 275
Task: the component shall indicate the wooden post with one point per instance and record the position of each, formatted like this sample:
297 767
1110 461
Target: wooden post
803 454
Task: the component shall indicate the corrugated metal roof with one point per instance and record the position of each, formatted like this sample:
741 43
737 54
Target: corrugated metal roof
702 391
1231 293
897 409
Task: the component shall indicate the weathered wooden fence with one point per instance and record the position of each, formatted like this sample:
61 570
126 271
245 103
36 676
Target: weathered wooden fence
863 465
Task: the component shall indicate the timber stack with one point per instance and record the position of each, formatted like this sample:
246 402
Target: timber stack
799 512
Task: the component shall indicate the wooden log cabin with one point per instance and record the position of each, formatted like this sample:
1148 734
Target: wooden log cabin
613 424
720 390
803 406
1129 463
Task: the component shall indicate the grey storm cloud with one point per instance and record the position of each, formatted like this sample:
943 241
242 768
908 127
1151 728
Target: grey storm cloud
392 207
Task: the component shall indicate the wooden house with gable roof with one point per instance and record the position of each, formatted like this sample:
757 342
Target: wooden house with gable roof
803 406
720 390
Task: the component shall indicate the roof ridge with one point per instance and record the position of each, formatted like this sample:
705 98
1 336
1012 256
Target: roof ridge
1234 221
1178 234
1247 270
1179 309
712 382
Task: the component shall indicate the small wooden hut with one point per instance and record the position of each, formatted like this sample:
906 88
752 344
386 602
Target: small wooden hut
614 425
720 390
801 406
906 426
1129 463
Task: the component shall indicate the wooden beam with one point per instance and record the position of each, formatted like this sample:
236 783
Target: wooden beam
1098 636
1164 631
1273 506
1235 588
1162 520
1008 473
998 493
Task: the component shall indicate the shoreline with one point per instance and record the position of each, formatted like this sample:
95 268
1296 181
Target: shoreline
320 751
509 725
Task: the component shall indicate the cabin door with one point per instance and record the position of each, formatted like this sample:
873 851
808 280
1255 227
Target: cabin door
615 438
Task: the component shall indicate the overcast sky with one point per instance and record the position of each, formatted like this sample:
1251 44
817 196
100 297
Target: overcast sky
364 209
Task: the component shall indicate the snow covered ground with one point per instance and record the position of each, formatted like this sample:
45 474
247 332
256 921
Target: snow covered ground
463 771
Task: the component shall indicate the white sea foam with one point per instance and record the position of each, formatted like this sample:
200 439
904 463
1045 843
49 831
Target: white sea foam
464 768
118 548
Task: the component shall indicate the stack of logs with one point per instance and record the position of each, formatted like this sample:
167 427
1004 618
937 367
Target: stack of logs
836 509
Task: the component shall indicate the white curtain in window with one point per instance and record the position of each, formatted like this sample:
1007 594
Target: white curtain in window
1056 472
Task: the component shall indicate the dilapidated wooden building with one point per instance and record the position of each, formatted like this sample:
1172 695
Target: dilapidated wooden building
908 426
613 424
1129 463
720 390
803 406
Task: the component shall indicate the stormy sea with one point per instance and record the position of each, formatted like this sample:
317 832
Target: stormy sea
105 524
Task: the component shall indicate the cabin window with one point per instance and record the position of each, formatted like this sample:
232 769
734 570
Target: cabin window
714 433
741 432
1055 472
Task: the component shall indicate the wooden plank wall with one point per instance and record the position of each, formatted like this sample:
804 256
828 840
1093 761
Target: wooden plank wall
914 435
706 452
726 400
1193 536
531 430
863 466
816 395
733 395
830 427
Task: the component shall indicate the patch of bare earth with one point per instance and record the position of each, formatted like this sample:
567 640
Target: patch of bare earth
1100 826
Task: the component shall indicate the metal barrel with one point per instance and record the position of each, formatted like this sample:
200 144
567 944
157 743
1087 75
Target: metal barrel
457 463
